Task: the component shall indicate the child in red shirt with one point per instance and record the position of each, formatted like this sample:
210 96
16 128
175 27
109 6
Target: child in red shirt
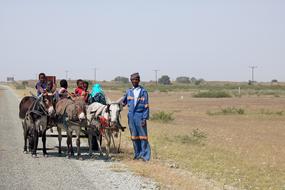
79 91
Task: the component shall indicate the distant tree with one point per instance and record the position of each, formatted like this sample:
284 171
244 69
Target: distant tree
121 79
274 81
193 80
164 80
25 83
183 79
199 81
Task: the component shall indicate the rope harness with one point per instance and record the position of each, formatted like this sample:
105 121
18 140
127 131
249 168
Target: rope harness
104 123
41 112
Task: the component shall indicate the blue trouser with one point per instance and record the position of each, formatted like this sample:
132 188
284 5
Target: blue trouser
139 136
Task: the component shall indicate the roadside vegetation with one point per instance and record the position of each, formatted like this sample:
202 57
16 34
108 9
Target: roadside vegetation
212 94
198 87
197 137
268 112
228 111
241 147
162 116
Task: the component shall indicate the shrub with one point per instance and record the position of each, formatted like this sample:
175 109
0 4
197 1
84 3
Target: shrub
121 79
268 112
184 80
20 86
228 111
164 80
232 110
196 137
193 80
212 94
162 116
274 81
25 83
198 82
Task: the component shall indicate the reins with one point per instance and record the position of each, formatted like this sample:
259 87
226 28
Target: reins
37 112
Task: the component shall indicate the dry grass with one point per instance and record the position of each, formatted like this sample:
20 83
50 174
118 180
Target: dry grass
241 150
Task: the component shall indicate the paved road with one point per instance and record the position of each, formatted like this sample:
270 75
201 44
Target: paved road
21 171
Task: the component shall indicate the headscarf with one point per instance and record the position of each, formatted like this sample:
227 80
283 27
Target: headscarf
96 89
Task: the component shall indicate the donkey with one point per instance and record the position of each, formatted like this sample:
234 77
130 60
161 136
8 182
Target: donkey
34 112
103 120
70 117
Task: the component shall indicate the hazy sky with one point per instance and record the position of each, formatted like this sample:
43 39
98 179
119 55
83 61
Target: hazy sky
214 40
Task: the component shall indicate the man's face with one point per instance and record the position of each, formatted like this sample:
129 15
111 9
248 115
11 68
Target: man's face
42 78
135 82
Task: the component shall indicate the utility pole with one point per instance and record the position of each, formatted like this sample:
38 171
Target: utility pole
252 72
66 74
95 73
156 81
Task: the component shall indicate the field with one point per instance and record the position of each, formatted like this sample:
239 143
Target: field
236 141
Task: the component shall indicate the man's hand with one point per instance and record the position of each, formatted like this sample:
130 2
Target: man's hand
143 123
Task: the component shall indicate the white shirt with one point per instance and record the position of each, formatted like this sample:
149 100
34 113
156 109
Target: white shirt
136 92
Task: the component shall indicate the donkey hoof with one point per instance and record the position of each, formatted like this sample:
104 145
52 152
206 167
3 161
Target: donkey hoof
68 156
25 152
34 156
79 158
45 155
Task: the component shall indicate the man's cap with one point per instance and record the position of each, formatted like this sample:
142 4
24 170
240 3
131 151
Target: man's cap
135 76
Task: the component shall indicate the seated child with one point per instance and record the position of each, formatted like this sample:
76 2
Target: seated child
63 93
41 84
79 90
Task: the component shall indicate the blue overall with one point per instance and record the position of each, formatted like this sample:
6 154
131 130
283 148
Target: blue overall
136 115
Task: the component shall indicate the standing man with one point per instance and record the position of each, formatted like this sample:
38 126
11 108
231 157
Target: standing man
137 100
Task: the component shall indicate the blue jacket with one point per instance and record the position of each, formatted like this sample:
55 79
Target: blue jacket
141 106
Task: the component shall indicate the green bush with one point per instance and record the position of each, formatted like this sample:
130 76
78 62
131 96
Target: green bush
183 80
212 94
232 110
196 137
198 82
121 79
25 83
268 112
164 80
20 86
228 111
162 116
